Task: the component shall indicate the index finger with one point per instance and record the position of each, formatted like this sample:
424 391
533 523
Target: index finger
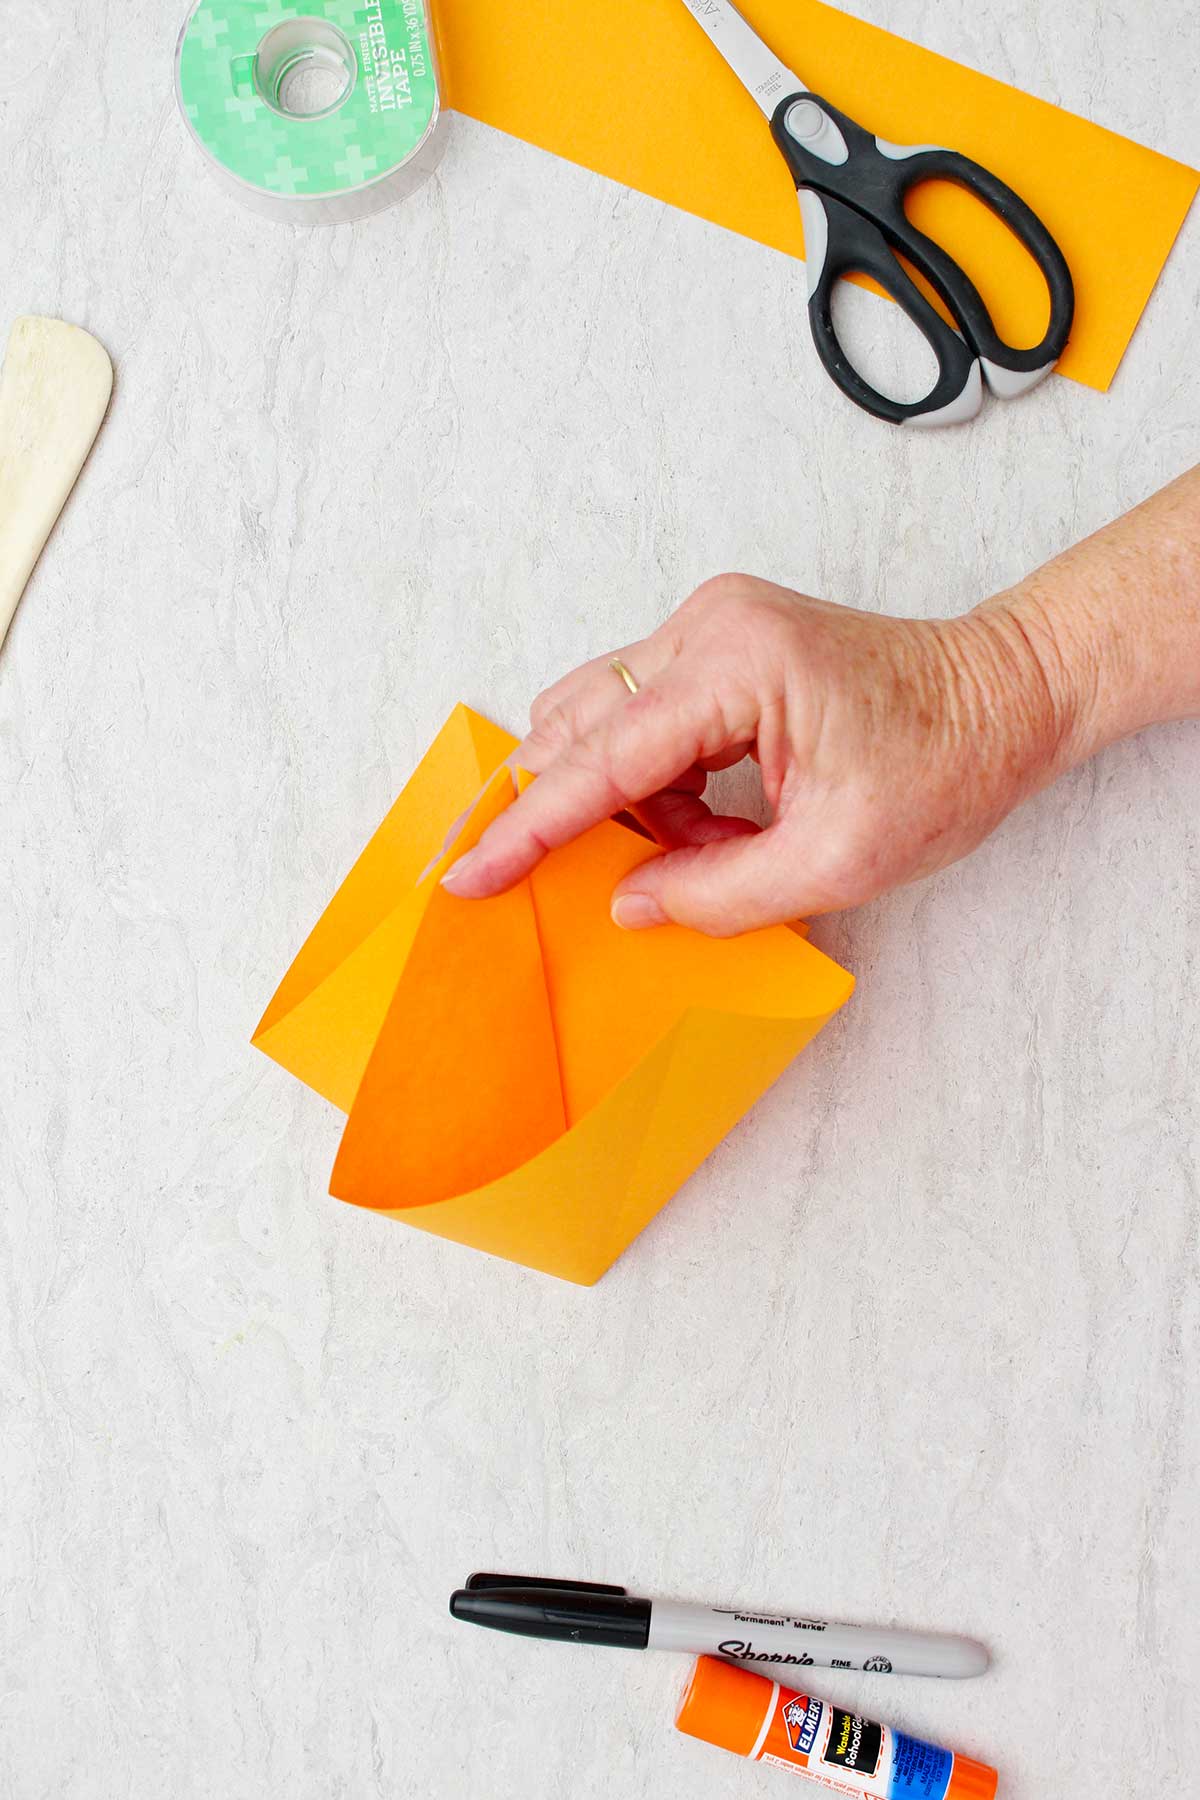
629 754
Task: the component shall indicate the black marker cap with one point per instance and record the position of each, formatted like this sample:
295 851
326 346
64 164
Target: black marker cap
566 1615
481 1580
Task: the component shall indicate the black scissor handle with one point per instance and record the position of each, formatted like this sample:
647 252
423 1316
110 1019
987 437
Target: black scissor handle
841 161
840 242
961 295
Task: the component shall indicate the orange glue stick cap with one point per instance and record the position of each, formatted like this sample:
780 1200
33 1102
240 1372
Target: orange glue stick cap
724 1705
971 1780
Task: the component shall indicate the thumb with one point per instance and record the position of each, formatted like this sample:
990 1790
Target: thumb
736 884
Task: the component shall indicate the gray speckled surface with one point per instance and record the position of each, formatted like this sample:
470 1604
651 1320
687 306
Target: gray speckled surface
919 1343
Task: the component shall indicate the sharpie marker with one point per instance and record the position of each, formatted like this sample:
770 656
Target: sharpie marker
587 1612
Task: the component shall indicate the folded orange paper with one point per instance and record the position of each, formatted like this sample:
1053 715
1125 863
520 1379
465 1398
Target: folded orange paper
520 1075
639 94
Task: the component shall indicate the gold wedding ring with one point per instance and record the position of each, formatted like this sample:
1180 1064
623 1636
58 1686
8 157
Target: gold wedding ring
618 668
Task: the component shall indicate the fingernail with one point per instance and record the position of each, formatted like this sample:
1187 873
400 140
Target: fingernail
636 912
460 871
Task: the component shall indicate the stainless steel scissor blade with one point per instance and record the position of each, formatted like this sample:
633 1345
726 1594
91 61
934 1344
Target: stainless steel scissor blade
760 72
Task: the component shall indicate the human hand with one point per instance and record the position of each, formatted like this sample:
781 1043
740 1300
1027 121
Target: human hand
888 748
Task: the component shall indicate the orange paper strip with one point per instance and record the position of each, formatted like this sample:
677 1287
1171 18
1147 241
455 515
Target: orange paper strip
639 94
521 1075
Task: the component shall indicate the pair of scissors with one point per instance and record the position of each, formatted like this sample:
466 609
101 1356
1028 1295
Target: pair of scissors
852 187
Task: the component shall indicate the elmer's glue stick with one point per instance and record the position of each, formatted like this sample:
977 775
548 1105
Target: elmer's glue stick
739 1710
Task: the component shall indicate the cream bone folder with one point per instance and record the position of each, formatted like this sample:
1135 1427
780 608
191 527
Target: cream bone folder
54 391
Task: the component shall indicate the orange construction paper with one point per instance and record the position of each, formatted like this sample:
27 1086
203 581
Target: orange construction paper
641 95
519 1074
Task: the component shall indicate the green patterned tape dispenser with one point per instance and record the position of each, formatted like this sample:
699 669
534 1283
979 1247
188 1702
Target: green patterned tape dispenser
315 113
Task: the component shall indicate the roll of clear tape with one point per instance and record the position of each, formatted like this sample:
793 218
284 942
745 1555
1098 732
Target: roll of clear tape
316 113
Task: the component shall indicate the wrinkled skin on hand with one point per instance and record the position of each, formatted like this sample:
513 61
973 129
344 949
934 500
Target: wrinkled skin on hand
888 748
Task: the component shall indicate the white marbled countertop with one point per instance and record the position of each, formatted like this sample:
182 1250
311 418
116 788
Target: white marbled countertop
919 1343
